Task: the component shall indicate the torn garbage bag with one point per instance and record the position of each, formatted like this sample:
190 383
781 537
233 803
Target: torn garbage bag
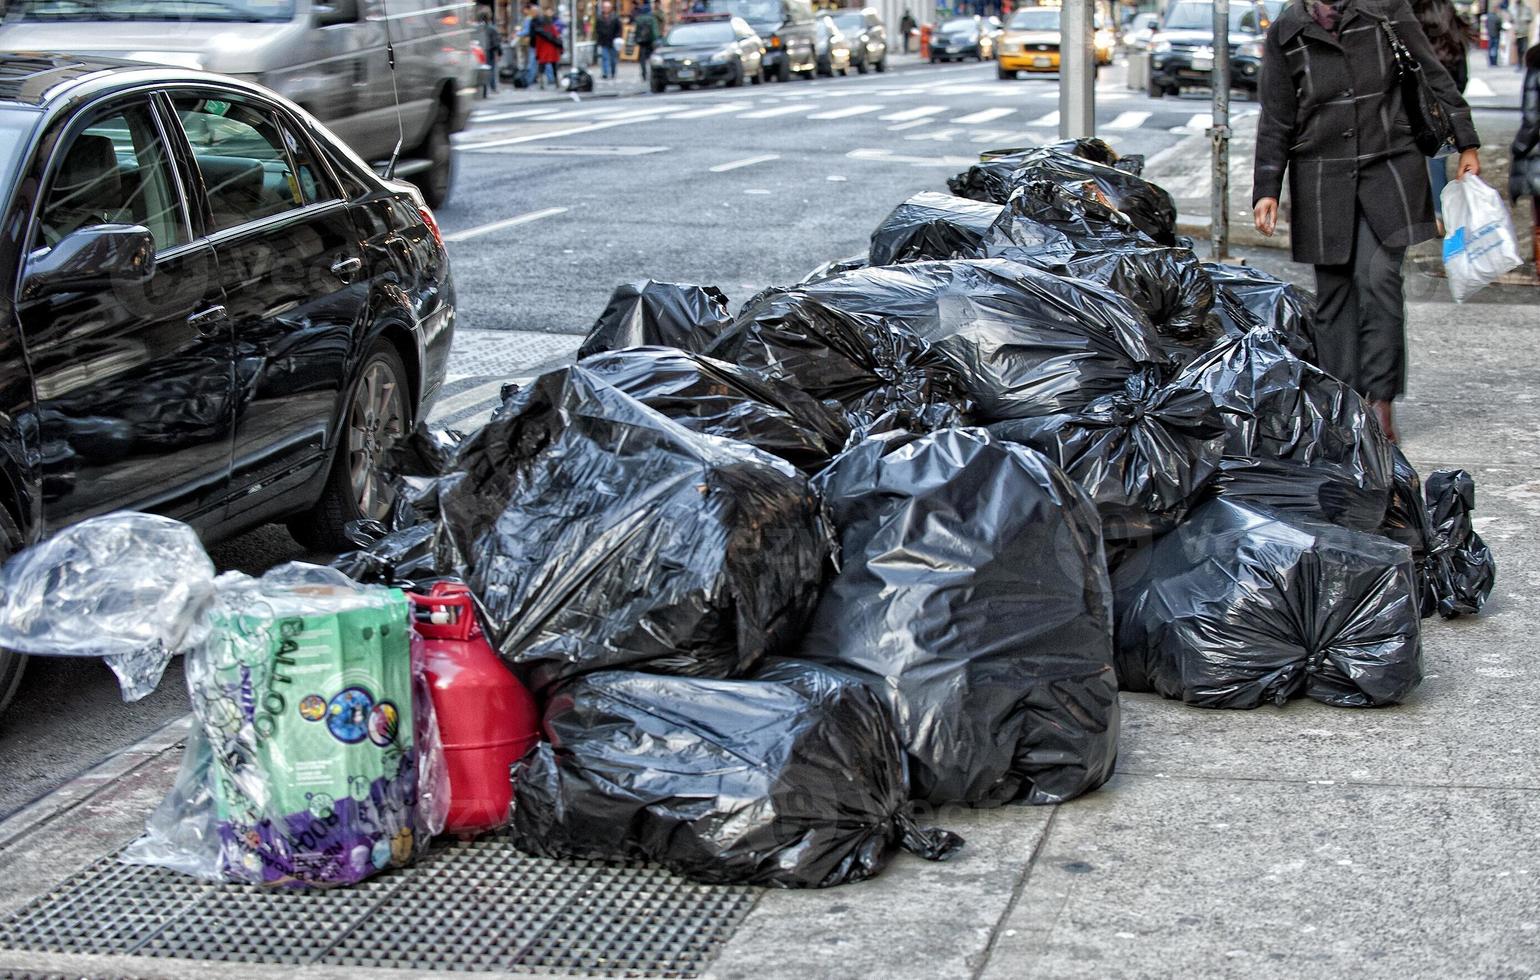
662 314
1144 454
1242 606
599 534
1471 571
794 779
973 599
932 226
1086 225
1249 299
1277 408
1015 341
714 397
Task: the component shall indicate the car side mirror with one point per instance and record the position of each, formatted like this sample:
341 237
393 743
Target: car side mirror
336 12
91 258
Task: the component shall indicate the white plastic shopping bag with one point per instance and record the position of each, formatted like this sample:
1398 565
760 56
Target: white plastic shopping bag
1479 244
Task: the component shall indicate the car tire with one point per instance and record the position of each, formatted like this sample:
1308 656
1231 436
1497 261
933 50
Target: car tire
737 77
436 181
882 64
783 71
1006 75
758 78
843 72
1157 90
12 664
861 67
656 84
375 417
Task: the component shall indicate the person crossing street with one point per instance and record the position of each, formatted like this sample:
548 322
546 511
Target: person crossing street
607 31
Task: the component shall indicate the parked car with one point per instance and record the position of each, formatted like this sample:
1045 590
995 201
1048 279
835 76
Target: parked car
1031 38
833 48
868 38
962 38
704 50
787 29
328 57
1182 51
216 311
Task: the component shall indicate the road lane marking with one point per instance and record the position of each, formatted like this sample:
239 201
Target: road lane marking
1128 120
716 110
723 168
515 114
918 112
940 135
1047 119
993 135
910 125
1199 120
847 112
780 110
983 116
522 219
888 156
573 113
531 137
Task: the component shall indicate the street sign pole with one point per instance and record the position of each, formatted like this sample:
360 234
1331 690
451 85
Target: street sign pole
1077 71
1219 134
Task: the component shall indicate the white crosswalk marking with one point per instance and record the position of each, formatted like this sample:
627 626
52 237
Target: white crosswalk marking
722 168
1199 120
910 125
940 135
780 110
573 113
716 110
512 114
993 135
1050 119
918 112
847 112
1128 120
1478 88
983 116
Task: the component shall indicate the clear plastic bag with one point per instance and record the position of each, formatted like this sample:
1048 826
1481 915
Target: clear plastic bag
1479 245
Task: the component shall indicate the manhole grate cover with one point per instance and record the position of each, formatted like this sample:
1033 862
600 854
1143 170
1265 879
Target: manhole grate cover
477 906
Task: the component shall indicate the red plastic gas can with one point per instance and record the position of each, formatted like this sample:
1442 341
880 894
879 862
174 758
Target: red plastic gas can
486 718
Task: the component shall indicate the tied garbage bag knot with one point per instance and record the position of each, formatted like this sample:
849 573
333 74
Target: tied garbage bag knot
661 314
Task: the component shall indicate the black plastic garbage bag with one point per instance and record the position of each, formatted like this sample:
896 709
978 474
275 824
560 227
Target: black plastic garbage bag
400 550
598 534
973 599
1144 455
1277 407
1168 285
835 267
706 395
1241 606
1406 521
1249 299
1318 490
1147 206
658 314
1043 215
1014 341
793 780
932 226
990 179
1467 578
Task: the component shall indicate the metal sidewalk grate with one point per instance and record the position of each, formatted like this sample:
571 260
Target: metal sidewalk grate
477 906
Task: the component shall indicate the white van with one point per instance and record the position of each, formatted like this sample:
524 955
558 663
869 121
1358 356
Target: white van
328 57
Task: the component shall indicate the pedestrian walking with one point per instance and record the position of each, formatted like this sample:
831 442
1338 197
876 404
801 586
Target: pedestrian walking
644 25
906 27
1524 178
1523 22
607 31
1359 186
1450 36
491 46
1495 17
525 44
548 45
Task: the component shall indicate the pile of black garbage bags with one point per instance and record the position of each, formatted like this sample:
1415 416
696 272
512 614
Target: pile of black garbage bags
891 539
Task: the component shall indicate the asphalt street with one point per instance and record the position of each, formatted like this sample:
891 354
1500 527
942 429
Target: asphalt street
556 204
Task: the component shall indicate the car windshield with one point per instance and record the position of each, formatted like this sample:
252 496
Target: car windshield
853 21
753 11
251 11
960 25
16 127
1035 19
716 32
1200 17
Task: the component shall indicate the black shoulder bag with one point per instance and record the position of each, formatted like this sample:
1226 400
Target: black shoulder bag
1431 129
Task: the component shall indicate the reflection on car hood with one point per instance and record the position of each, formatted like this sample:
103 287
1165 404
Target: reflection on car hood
692 51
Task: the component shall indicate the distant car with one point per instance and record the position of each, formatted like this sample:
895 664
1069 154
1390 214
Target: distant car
215 310
1182 51
1031 39
1140 29
962 38
785 26
868 38
704 50
833 48
328 57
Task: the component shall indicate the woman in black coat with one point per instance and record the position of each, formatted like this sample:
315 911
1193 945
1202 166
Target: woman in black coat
1524 179
1333 122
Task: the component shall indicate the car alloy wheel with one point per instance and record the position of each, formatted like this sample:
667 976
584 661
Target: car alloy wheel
376 422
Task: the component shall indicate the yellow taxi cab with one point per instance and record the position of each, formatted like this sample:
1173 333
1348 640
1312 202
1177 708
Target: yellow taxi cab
1031 42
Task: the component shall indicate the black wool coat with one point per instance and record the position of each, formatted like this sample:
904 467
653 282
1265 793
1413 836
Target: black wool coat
1333 122
1525 178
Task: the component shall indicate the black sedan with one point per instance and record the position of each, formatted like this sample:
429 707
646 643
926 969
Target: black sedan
218 312
962 38
707 49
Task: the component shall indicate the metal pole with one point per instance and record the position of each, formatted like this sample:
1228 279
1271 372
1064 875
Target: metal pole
1219 134
1077 71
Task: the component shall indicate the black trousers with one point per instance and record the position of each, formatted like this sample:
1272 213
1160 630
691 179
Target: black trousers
1360 317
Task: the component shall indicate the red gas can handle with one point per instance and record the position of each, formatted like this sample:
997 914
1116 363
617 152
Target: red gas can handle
447 612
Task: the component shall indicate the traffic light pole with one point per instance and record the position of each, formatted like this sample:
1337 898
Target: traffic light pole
1219 134
1077 70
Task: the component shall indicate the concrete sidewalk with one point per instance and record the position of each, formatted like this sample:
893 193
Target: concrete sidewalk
1280 842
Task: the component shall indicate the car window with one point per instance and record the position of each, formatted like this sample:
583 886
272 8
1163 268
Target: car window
850 22
241 153
959 25
718 32
1035 19
115 171
313 184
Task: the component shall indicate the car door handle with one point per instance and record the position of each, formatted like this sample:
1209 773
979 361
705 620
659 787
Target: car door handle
346 268
207 322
